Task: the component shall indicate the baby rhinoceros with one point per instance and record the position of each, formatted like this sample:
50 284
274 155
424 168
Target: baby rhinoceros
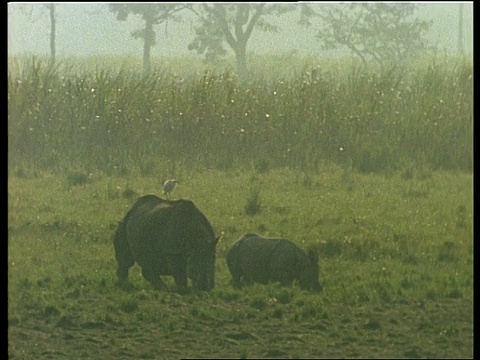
257 259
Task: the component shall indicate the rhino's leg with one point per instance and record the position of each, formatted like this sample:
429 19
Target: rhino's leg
247 280
180 278
285 278
153 277
235 269
237 282
237 277
122 272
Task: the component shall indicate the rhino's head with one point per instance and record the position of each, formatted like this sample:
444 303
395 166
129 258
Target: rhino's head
201 266
309 275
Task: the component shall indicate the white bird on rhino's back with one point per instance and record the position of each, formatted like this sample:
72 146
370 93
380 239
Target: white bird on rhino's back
168 187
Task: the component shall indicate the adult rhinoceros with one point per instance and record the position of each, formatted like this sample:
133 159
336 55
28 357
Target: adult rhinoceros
257 259
167 237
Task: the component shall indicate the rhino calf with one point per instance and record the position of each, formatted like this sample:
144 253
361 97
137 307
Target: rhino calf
257 259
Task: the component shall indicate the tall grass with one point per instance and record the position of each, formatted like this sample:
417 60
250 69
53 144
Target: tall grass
111 118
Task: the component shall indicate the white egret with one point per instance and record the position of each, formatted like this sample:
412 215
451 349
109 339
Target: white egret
168 187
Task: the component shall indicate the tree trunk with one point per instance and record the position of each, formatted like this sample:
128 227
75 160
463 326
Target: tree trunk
461 47
149 41
241 58
53 24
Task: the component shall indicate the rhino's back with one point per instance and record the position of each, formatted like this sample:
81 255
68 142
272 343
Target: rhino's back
158 230
253 248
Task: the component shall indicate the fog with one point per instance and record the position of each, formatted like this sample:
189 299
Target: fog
86 29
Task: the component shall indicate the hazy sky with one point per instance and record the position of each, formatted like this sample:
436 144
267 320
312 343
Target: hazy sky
85 29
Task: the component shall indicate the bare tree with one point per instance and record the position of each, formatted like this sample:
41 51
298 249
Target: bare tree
384 32
53 26
153 14
461 43
29 9
232 24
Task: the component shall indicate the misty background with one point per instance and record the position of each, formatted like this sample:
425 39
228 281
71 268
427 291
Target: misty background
91 29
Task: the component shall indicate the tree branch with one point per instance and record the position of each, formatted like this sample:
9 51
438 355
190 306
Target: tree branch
220 15
254 20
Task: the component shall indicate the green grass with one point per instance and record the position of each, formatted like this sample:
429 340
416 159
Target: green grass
371 168
396 267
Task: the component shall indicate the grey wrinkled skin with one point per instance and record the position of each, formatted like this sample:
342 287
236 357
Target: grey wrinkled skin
166 237
256 259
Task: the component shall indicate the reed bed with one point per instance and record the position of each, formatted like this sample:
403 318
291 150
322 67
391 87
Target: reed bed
84 115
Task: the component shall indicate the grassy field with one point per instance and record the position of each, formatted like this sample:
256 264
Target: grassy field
396 265
372 168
